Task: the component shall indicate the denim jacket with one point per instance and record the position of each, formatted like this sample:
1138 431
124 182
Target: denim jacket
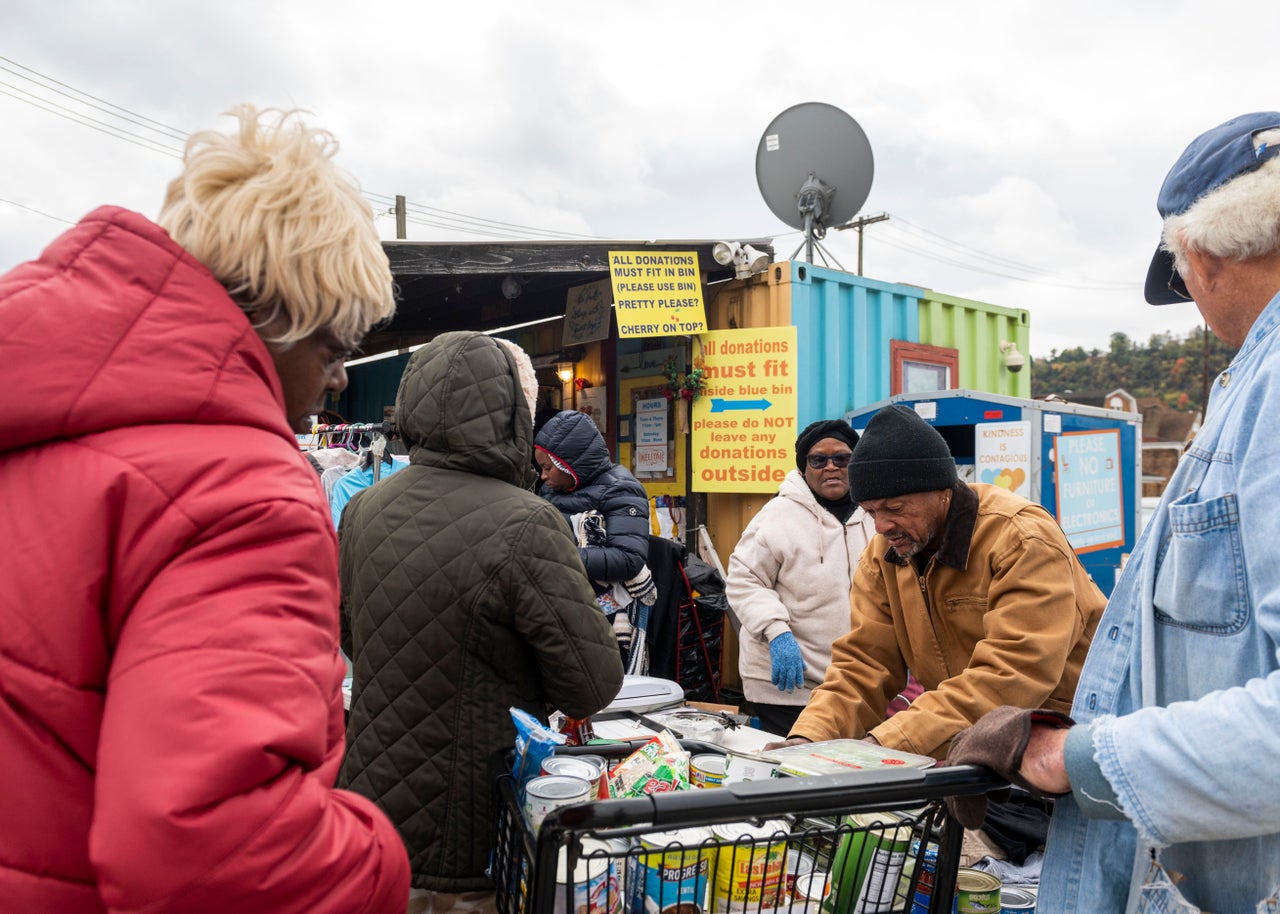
1181 689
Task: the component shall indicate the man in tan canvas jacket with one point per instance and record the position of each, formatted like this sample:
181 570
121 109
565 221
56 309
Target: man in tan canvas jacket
972 588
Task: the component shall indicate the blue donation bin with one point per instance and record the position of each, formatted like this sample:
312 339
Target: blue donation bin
1084 464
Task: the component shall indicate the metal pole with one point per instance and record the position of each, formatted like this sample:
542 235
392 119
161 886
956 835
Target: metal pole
860 224
400 218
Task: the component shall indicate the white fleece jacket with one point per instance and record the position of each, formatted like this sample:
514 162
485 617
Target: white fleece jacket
792 570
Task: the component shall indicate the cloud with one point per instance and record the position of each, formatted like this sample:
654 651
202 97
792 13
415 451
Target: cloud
1024 141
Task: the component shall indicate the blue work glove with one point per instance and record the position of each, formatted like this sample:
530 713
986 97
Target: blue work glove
788 665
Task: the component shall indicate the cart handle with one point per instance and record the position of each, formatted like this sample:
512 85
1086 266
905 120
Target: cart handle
812 795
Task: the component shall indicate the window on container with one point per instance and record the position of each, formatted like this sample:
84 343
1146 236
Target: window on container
920 368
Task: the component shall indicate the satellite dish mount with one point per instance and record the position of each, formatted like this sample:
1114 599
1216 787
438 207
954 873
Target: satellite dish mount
814 169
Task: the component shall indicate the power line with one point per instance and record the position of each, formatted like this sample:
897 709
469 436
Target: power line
132 115
85 120
36 211
462 221
1034 280
956 248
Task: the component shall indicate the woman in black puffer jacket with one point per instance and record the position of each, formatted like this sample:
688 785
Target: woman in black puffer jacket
579 477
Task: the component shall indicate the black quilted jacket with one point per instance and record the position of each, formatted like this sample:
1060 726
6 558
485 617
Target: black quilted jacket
463 595
572 438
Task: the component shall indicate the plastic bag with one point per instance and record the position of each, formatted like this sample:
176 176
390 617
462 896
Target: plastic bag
534 742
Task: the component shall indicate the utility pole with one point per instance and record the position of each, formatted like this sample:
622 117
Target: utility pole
860 224
400 218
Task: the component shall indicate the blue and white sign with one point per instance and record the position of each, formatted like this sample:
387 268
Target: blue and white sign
1090 494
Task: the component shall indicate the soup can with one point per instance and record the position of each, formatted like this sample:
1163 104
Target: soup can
707 770
799 864
809 891
976 892
750 866
592 885
588 767
867 865
1017 900
602 781
620 848
746 768
672 872
551 791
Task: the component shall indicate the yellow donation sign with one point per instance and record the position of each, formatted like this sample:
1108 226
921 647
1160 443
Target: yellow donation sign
657 293
744 424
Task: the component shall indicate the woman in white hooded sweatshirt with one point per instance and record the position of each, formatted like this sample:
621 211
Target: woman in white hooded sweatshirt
790 576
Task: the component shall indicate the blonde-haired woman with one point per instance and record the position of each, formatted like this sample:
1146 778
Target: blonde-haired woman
171 710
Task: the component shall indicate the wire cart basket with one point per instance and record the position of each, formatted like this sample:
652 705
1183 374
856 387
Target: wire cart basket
867 842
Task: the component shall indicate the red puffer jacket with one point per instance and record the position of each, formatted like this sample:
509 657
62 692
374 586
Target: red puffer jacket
170 684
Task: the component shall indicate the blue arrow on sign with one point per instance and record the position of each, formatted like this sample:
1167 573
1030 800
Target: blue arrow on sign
719 405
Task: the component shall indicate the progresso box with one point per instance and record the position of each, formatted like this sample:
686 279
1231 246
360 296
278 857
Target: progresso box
1084 464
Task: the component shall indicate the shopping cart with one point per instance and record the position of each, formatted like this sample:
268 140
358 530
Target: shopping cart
866 842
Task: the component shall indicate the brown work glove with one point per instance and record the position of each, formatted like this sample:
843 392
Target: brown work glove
998 741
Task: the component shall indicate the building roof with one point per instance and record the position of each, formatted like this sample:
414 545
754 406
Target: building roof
446 286
1162 422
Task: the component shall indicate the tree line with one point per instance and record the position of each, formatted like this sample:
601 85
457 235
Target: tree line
1173 367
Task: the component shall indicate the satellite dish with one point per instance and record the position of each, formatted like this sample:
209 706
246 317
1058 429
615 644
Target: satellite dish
814 169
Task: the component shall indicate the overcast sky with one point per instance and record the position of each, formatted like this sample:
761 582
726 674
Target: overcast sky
1018 146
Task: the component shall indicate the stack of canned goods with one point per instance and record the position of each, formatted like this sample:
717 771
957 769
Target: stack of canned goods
565 780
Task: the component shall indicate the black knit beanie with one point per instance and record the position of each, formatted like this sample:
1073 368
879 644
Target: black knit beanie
899 454
823 428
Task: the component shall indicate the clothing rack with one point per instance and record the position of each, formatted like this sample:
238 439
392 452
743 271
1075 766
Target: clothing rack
369 428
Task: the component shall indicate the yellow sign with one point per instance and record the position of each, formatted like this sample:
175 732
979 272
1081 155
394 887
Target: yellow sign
657 293
744 424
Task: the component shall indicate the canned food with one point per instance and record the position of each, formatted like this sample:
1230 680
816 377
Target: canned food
571 766
1017 900
674 875
552 791
928 869
749 867
868 864
707 770
976 892
798 864
601 781
810 891
745 768
620 848
592 886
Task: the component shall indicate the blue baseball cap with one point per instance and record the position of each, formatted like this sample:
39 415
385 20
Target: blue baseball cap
1212 159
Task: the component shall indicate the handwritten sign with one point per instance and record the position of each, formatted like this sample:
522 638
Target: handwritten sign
1002 455
657 293
1090 495
594 402
744 424
586 313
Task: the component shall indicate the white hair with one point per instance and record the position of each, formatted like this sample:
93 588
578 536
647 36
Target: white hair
281 227
1238 220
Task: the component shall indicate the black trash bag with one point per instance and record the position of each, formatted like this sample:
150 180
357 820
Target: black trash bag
702 577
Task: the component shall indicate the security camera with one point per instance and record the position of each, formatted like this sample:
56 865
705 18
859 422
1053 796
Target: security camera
1013 359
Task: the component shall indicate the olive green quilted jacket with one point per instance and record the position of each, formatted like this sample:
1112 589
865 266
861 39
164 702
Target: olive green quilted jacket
463 595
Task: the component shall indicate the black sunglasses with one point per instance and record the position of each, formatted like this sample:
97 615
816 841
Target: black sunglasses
1178 286
819 461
